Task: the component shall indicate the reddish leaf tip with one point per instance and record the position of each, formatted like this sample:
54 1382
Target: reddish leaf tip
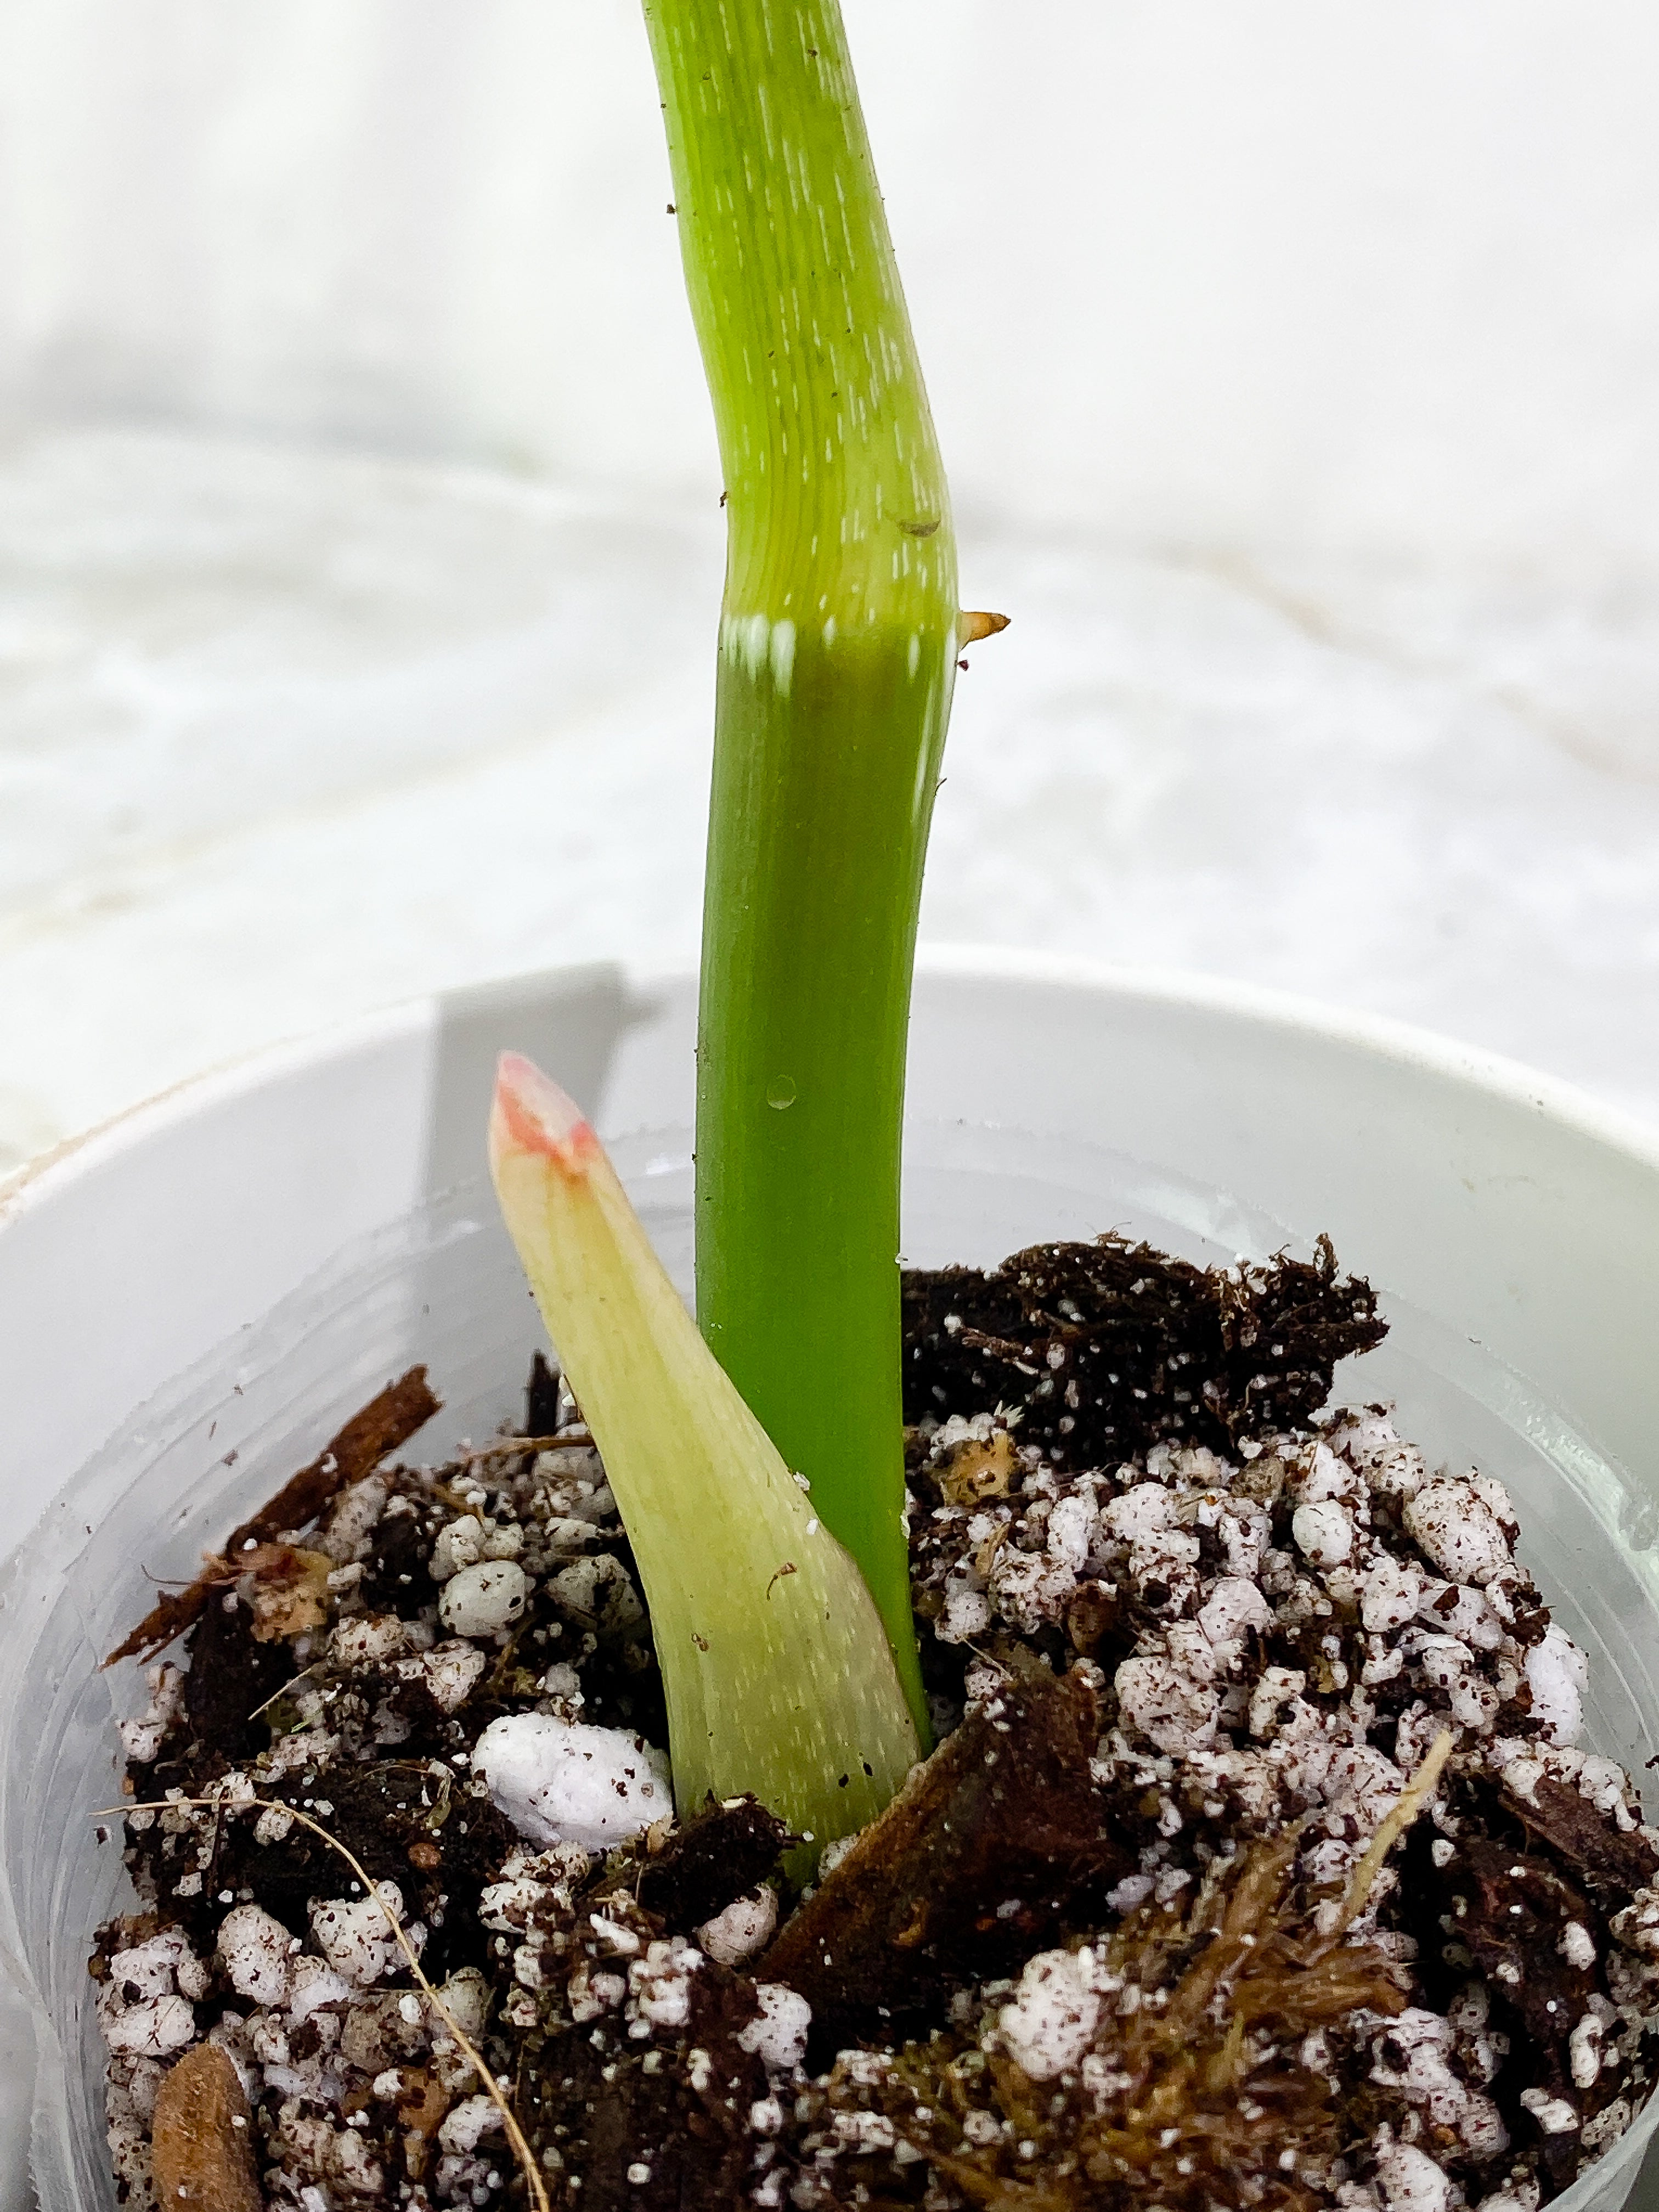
534 1114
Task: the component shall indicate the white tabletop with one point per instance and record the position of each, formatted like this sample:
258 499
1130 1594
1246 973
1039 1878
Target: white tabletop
1295 367
288 733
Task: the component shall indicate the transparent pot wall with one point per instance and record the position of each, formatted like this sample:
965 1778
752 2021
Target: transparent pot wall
443 1287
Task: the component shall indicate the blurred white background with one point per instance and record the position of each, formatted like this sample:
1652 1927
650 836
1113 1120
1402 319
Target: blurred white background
1297 366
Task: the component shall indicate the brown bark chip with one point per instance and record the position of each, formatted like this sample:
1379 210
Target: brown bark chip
1604 1858
386 1422
204 2148
975 1862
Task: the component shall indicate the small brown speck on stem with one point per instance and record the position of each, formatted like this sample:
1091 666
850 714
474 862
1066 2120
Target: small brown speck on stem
971 627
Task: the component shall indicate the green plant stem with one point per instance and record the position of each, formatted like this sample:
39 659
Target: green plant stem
837 656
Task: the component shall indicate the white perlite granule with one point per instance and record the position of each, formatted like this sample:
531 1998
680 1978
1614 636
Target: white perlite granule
777 2036
1408 2180
254 1950
1457 1529
561 1781
1558 1672
355 1937
1054 2013
141 1739
485 1600
743 1927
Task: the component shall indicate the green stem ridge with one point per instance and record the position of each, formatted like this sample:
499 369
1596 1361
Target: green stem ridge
836 660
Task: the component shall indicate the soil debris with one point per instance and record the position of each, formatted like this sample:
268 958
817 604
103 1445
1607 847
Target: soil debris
1259 1863
705 1862
1110 1347
1603 1856
379 1427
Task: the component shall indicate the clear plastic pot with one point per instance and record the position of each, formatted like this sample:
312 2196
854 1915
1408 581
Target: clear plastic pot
440 1285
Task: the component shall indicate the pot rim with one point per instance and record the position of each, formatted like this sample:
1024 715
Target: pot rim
1404 1044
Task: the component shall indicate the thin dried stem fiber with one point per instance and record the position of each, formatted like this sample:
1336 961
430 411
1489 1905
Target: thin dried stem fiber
1412 1798
521 2150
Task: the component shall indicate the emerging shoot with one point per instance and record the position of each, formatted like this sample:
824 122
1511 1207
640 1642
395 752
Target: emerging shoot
778 1681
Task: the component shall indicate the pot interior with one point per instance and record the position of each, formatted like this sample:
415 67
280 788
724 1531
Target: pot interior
443 1286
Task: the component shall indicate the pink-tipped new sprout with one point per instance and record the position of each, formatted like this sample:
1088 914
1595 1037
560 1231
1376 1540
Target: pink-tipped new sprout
779 1677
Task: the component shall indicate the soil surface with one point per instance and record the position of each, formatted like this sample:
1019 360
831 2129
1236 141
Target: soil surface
1259 1863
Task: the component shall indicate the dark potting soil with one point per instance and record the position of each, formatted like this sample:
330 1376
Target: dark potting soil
1152 1927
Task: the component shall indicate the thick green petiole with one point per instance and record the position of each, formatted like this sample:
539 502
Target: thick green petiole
837 655
777 1677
